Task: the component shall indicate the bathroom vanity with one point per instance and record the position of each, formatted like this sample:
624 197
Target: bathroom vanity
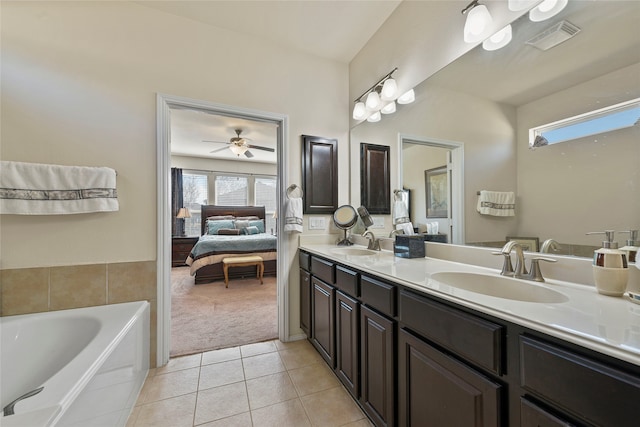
415 346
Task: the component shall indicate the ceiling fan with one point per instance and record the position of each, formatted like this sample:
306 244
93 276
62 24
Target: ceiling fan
239 145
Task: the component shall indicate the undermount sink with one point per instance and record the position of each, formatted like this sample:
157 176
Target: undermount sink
353 251
500 287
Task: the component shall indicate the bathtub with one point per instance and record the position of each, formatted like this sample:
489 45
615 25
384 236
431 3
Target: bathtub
92 363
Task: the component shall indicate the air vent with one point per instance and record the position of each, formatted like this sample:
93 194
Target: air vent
553 36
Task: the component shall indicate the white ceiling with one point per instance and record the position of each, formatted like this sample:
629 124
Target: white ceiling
331 29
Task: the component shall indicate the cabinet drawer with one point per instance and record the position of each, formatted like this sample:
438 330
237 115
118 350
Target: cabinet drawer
379 295
532 415
304 259
601 394
347 281
324 270
477 340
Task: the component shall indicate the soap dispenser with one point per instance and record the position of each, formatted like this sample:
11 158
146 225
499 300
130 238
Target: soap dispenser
610 269
632 246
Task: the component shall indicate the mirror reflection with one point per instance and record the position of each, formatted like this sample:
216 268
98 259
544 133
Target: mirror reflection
476 113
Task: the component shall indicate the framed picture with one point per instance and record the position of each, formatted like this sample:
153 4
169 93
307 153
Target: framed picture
437 189
530 244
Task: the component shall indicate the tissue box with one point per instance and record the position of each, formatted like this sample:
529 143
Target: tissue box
409 246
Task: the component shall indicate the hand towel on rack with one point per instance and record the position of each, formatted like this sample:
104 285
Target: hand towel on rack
40 189
293 215
497 203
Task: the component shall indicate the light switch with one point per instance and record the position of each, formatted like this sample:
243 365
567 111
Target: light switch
317 223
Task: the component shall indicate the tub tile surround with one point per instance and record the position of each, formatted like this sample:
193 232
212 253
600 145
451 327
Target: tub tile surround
265 384
41 289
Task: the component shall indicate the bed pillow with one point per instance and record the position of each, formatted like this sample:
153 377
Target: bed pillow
229 231
252 229
248 218
214 226
241 225
259 224
219 217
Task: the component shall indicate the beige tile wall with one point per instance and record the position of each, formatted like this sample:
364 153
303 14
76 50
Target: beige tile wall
39 289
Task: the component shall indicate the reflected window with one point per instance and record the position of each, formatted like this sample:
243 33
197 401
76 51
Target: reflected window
615 117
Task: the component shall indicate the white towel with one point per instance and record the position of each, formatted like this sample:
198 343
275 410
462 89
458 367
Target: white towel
497 203
293 215
39 189
400 212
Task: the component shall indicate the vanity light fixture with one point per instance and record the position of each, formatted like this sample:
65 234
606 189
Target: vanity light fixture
380 98
499 39
478 21
547 9
516 5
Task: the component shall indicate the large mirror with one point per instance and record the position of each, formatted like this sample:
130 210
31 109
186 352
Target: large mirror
486 102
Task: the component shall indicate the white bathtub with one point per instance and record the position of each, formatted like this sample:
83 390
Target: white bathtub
91 361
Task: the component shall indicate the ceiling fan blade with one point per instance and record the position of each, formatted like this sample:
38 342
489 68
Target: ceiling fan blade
219 149
248 154
257 147
216 142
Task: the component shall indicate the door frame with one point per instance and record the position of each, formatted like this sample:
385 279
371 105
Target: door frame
163 264
456 149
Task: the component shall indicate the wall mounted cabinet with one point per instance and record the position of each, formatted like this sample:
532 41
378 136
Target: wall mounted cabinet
319 174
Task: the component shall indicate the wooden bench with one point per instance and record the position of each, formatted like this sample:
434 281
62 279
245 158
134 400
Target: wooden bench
242 261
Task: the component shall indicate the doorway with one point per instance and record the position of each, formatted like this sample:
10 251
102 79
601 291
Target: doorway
165 103
452 157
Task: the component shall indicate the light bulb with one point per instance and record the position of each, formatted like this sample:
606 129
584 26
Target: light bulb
373 101
499 39
359 111
516 5
389 90
407 98
547 9
375 117
478 20
389 108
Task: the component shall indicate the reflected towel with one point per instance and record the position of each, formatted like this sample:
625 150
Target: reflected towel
39 189
400 212
497 203
293 216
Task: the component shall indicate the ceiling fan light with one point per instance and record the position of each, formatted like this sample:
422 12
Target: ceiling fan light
373 102
547 9
499 39
389 108
478 21
238 150
389 90
407 98
375 117
359 111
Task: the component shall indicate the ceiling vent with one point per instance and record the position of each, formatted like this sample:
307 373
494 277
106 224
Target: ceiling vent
553 36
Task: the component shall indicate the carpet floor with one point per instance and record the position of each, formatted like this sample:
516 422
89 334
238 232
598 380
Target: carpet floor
209 316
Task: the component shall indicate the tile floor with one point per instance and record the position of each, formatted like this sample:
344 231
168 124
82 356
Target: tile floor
263 384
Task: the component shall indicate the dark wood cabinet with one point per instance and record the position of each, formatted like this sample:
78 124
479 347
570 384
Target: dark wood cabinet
436 390
322 319
531 415
375 178
305 302
348 342
180 249
377 365
319 174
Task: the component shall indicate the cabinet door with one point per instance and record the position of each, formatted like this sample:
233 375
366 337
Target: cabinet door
319 174
305 302
436 390
377 367
322 317
532 415
347 342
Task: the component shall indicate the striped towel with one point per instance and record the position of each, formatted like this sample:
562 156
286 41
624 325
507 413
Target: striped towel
497 203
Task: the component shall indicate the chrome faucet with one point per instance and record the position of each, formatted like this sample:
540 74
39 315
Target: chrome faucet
374 244
520 269
395 232
549 244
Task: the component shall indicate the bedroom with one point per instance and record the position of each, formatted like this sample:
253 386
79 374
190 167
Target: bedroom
223 193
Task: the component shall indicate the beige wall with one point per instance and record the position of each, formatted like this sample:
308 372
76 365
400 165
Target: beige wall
234 166
79 85
590 184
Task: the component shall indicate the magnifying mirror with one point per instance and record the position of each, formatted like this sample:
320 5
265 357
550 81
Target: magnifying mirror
345 218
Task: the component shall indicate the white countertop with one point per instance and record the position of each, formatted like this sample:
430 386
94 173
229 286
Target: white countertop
609 325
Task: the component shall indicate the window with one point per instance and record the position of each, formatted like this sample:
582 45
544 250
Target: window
195 191
614 117
231 190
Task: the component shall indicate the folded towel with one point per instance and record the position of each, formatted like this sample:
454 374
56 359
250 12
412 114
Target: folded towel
293 215
39 189
400 212
497 203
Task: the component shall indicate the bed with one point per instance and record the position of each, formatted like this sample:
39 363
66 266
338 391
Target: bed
205 259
